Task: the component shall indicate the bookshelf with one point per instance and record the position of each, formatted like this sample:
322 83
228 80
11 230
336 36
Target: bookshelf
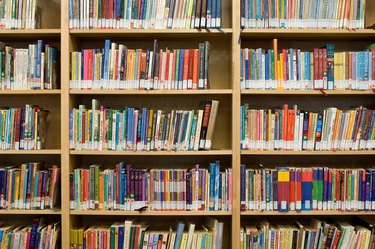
224 71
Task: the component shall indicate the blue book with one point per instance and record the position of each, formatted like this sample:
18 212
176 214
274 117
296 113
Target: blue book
366 66
217 183
208 13
330 66
40 50
121 176
266 64
121 231
179 231
218 14
212 23
144 126
212 186
105 68
130 127
368 191
181 69
307 188
246 68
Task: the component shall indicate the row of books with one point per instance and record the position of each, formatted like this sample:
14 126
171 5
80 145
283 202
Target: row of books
134 234
313 188
144 14
117 67
317 234
15 14
29 187
335 14
36 67
37 235
293 69
133 129
23 128
295 129
128 188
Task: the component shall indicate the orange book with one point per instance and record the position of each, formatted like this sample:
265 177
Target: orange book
101 191
290 129
336 129
166 78
195 69
86 188
186 69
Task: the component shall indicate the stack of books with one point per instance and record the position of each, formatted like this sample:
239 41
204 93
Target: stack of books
117 67
133 129
335 14
127 188
36 67
23 128
144 14
293 129
15 14
308 189
318 234
133 234
29 187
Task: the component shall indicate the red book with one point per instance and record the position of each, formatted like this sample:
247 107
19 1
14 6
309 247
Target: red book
298 188
174 69
316 68
86 187
338 190
292 189
18 129
336 239
283 189
195 69
167 68
190 69
85 64
324 68
284 125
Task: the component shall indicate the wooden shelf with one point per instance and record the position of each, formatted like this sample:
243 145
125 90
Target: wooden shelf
308 153
309 34
151 213
151 92
307 213
31 212
150 153
30 152
145 33
306 92
30 92
30 33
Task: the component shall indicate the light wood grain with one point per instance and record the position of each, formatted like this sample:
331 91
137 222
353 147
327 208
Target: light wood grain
152 213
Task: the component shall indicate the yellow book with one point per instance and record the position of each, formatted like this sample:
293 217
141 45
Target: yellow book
241 238
16 189
73 66
184 240
22 182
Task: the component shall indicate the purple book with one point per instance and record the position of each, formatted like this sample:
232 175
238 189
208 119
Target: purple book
188 192
203 183
143 185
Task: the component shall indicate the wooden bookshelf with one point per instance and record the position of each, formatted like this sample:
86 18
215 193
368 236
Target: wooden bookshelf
224 71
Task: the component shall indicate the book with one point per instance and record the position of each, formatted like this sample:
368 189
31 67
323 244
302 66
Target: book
25 14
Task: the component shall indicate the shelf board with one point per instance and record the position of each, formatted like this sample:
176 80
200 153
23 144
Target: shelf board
150 213
30 92
145 33
151 92
308 33
306 92
150 153
309 213
30 152
30 33
304 153
31 212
